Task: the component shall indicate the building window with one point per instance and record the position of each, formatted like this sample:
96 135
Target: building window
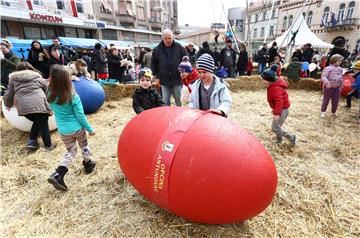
109 34
309 18
81 33
105 7
156 38
255 33
4 29
273 13
290 20
325 16
144 38
126 8
256 17
38 2
341 12
284 26
262 32
48 32
31 32
155 16
141 13
358 45
271 31
70 32
350 10
264 16
79 6
129 9
128 36
60 4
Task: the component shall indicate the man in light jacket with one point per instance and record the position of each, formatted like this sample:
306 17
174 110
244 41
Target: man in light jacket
209 93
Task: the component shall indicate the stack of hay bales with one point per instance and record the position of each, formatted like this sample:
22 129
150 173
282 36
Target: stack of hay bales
251 83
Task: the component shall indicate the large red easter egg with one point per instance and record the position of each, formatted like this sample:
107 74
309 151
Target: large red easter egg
348 81
196 164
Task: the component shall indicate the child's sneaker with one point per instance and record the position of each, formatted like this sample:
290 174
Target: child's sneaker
32 144
293 140
279 140
89 166
57 178
322 114
333 114
51 147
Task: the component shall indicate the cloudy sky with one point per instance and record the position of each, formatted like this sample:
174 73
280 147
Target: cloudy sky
205 12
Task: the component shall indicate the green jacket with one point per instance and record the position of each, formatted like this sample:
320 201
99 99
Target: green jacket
293 71
7 67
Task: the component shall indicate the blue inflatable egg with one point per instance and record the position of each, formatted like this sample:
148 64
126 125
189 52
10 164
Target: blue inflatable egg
91 94
305 66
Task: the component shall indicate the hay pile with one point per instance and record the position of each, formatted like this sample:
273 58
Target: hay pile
252 83
317 196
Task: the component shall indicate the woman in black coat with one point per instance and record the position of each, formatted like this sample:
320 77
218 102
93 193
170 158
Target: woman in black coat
116 70
243 60
39 58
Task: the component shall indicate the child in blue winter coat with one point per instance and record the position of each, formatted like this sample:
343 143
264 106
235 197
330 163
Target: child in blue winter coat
355 86
72 124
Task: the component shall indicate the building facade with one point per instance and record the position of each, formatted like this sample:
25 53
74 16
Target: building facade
263 22
139 21
335 22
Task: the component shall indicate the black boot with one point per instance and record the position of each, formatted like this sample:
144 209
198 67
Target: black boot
57 178
348 101
89 166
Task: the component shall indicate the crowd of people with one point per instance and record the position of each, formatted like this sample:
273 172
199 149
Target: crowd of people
42 86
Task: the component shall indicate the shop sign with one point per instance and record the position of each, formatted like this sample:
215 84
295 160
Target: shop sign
100 25
89 24
43 17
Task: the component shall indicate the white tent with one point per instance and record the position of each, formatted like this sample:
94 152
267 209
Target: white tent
303 36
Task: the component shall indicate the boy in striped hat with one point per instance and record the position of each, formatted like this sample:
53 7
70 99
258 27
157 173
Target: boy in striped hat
209 93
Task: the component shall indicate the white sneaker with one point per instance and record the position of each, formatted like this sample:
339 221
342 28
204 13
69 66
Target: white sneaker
322 114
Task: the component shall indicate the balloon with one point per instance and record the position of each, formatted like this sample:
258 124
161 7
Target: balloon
312 67
21 122
91 94
305 66
198 165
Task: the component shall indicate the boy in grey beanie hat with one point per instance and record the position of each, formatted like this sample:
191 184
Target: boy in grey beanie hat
209 93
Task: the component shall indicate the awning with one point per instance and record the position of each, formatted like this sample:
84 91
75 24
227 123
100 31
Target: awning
21 47
83 43
118 43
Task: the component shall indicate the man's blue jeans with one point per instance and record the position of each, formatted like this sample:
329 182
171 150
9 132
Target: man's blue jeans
167 92
261 67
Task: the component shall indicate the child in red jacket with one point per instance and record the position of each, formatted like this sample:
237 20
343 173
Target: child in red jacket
188 74
278 100
249 66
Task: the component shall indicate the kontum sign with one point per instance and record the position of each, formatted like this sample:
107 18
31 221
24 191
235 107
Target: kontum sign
43 17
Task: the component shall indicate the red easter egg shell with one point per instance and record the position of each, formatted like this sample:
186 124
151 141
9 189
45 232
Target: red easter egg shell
219 172
348 81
